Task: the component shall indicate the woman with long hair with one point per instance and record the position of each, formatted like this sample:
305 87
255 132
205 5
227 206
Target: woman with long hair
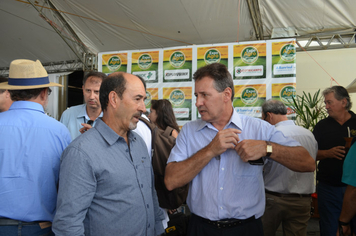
162 115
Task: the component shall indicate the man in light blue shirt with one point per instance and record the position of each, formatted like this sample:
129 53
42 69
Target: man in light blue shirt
31 144
106 179
80 118
226 192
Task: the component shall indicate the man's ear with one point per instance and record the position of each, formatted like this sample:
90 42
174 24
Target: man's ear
344 102
227 94
113 99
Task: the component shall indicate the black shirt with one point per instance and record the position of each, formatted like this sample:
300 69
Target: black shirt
329 133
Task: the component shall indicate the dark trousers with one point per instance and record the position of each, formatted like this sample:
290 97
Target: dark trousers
25 230
199 227
330 200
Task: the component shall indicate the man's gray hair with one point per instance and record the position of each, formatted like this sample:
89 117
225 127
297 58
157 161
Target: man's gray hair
339 93
274 106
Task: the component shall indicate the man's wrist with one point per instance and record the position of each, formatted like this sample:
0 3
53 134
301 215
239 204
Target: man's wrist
342 223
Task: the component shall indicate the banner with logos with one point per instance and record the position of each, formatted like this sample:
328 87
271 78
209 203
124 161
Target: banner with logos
260 70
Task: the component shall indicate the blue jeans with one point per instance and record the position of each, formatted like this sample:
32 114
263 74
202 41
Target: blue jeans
25 230
330 200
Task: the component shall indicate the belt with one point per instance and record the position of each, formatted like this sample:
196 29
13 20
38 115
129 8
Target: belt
227 223
10 222
288 194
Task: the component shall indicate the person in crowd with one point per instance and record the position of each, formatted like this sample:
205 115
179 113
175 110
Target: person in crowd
347 221
106 180
80 118
288 193
162 115
217 155
31 144
5 97
330 133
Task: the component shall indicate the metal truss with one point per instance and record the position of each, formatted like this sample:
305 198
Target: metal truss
333 41
53 67
255 14
56 20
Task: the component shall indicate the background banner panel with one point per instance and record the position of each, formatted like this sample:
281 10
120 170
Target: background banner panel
145 64
250 61
256 67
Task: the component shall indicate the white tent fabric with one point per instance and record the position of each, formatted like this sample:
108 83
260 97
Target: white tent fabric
109 25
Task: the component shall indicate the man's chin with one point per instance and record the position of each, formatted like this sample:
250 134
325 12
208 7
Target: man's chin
132 125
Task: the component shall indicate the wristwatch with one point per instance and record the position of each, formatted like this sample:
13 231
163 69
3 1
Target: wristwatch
269 148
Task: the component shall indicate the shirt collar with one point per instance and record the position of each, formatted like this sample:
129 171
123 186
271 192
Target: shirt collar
27 105
110 135
285 122
235 120
83 113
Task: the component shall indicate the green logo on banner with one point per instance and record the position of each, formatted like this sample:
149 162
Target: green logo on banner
177 59
249 55
148 99
114 63
288 52
144 61
287 93
249 96
177 97
212 56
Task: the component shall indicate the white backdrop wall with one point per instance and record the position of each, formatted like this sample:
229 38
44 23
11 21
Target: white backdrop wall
339 63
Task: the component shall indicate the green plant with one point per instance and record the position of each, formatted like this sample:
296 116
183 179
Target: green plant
309 109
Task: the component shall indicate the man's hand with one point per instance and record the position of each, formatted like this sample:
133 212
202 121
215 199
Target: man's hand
337 152
346 230
85 128
250 150
224 139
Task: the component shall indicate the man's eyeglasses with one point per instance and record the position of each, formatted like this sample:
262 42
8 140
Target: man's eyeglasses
49 91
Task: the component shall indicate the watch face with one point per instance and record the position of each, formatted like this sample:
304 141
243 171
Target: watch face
269 149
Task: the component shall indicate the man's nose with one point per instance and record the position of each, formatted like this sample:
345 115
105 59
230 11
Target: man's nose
142 107
199 101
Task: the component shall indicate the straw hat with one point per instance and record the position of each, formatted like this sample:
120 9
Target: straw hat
27 74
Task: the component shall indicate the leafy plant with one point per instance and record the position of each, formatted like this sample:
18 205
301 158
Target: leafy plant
309 109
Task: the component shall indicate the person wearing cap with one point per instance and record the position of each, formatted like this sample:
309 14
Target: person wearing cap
5 98
106 182
80 118
31 144
288 193
330 133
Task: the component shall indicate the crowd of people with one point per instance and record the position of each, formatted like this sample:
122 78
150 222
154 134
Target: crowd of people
90 175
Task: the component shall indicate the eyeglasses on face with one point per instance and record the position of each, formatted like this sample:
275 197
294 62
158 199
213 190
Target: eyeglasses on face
49 91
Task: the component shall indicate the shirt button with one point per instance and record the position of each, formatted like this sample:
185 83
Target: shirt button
221 208
223 168
221 188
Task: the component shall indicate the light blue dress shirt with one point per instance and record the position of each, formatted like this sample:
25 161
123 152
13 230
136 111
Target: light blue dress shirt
107 188
31 144
226 187
74 116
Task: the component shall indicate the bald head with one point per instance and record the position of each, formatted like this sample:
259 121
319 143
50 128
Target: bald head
116 82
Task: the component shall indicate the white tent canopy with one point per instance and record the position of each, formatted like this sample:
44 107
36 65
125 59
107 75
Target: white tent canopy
84 27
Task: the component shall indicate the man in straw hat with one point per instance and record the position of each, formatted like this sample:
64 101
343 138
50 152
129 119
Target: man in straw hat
5 98
31 144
